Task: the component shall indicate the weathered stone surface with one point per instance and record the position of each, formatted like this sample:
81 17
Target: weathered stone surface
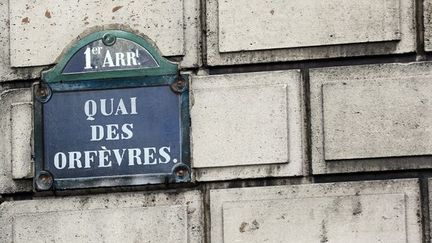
428 24
379 211
260 25
370 112
135 217
6 72
377 118
243 124
15 142
40 32
255 31
430 202
21 140
167 224
247 119
192 34
276 216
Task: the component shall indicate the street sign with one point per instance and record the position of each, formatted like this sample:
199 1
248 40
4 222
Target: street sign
112 112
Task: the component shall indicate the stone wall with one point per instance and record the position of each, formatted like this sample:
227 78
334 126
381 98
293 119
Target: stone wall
309 122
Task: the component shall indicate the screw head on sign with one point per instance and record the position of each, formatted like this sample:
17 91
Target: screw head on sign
42 92
179 85
109 39
44 181
181 173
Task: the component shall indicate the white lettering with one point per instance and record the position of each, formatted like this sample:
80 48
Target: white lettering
103 107
90 109
131 58
127 129
119 157
121 107
60 160
164 153
112 130
104 157
134 154
108 59
96 50
120 59
149 154
74 157
87 58
106 107
97 132
133 106
88 158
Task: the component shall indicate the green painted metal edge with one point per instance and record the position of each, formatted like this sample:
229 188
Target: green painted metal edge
165 67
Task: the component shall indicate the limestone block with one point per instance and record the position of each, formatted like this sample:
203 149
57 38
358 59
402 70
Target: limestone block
21 144
256 31
16 138
247 125
135 217
428 24
379 211
6 72
371 117
40 32
252 33
430 201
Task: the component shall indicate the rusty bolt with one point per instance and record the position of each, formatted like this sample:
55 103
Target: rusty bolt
44 181
181 173
179 85
42 92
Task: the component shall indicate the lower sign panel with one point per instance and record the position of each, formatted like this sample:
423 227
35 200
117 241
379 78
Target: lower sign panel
110 137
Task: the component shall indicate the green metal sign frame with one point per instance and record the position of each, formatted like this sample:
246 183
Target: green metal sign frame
54 80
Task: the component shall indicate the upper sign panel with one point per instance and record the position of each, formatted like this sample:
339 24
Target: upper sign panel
121 54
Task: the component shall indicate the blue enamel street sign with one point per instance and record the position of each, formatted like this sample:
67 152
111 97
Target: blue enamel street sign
113 112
